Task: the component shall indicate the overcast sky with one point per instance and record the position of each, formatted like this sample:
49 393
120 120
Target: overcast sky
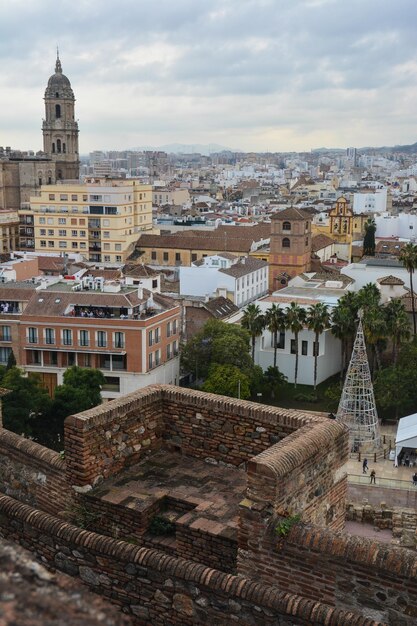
259 75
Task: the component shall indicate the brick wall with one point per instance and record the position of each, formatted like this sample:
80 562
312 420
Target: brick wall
102 441
357 573
159 589
32 474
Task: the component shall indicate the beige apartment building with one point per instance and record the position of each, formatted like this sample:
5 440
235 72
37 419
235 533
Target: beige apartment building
101 219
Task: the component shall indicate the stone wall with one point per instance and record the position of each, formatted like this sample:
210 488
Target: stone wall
357 573
102 441
33 474
375 494
159 589
226 430
402 522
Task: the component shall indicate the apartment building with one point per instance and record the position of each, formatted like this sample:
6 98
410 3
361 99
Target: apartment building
130 334
101 219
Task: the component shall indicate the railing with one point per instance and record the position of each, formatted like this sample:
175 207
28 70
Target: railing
388 483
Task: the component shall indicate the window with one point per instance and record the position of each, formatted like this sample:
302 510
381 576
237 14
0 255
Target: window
119 340
74 233
106 235
57 111
174 327
306 241
53 358
35 358
62 244
42 220
292 346
43 232
175 348
74 197
106 246
62 233
63 197
118 258
169 329
281 341
286 226
107 258
153 255
169 351
150 338
150 360
111 383
83 244
306 227
33 335
84 338
157 335
87 360
286 242
177 257
155 283
82 233
58 145
50 232
43 243
67 337
62 220
118 247
193 257
106 223
6 334
49 335
52 196
4 355
157 358
101 339
165 256
304 348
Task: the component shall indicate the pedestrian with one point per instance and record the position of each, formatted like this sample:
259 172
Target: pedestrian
415 479
373 477
365 466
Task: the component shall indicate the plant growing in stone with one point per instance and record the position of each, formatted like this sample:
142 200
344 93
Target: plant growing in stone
284 526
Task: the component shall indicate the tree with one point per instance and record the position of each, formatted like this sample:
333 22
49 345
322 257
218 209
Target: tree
375 330
275 323
273 382
369 239
368 296
11 361
342 327
294 320
318 320
26 405
227 380
398 326
408 257
254 322
217 342
81 390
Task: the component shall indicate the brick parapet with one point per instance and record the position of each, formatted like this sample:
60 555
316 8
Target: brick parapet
158 588
33 474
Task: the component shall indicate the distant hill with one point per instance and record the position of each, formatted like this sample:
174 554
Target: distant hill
175 148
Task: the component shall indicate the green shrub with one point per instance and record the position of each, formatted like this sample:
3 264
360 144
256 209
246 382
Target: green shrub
160 525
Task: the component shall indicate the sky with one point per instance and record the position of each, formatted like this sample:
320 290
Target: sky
252 75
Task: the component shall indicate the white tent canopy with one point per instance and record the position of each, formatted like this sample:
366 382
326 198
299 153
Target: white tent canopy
406 434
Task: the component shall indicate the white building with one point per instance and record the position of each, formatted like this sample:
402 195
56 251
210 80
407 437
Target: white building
403 225
241 279
372 269
306 290
370 202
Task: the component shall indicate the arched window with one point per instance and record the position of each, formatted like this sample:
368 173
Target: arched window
57 111
58 145
286 226
286 243
64 148
59 175
56 94
53 147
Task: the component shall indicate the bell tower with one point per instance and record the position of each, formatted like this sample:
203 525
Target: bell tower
60 129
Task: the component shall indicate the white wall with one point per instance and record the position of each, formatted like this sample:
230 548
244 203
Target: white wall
363 274
201 281
370 202
403 225
328 362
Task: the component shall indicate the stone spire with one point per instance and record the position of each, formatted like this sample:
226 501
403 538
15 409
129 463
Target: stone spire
357 408
58 66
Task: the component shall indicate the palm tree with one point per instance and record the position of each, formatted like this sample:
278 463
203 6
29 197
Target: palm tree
343 327
408 257
398 325
375 330
369 296
318 320
275 323
294 320
254 322
369 239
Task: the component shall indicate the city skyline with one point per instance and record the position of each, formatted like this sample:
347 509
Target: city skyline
261 76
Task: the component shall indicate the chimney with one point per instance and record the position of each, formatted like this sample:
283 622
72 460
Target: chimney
140 293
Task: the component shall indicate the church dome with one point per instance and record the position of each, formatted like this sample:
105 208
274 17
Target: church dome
59 85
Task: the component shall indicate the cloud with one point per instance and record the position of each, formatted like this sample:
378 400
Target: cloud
255 74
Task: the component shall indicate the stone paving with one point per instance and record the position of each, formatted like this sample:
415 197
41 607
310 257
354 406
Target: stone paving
212 492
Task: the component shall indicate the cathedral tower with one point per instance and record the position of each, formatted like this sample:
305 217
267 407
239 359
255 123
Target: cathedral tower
60 130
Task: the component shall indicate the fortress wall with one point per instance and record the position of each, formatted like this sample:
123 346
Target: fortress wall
162 589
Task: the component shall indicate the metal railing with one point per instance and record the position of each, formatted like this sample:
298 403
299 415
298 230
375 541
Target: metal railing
391 483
